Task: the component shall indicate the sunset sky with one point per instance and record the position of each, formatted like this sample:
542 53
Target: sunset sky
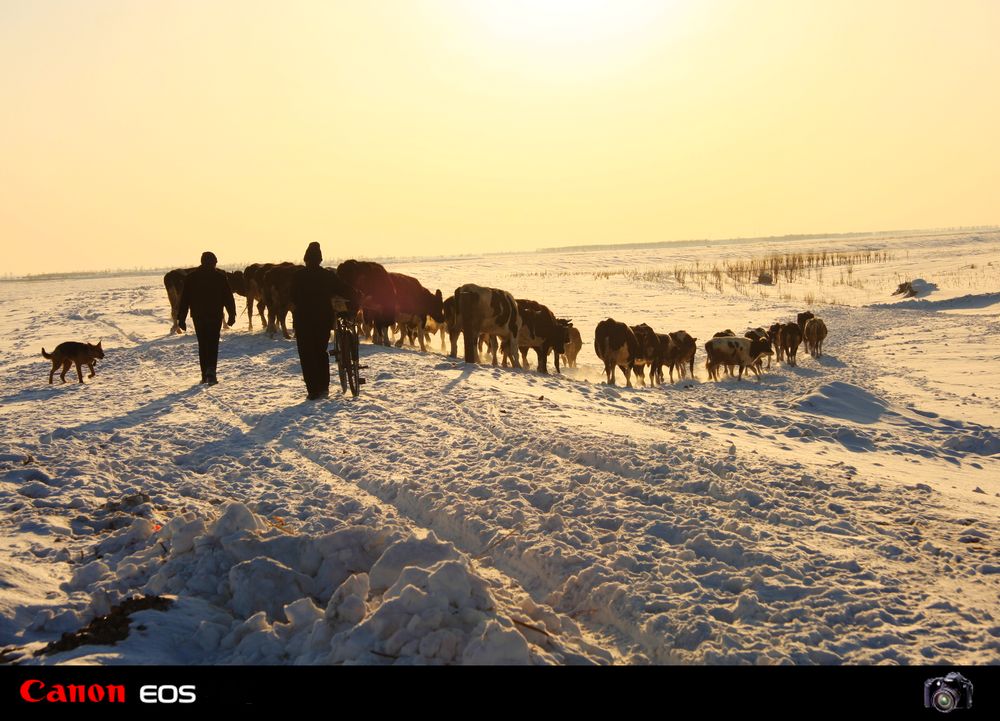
140 133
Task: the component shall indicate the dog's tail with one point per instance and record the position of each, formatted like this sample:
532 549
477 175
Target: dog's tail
47 355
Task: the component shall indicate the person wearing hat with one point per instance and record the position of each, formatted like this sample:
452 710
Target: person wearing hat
207 293
313 290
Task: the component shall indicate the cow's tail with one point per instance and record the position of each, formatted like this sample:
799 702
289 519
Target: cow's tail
634 349
47 355
466 320
514 326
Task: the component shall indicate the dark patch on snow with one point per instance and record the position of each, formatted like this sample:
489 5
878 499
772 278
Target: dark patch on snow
107 630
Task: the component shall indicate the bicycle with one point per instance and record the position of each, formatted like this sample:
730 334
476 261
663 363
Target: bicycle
345 352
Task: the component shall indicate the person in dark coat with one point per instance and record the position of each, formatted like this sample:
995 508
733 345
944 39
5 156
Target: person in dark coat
206 293
313 289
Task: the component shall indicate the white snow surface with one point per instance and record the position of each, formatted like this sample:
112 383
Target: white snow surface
842 511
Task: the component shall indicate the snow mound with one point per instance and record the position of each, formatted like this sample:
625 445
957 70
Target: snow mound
983 443
845 401
356 595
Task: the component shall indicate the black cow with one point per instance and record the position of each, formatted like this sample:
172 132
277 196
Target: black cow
541 330
758 334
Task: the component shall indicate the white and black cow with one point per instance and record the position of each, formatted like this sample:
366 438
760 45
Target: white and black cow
486 310
729 350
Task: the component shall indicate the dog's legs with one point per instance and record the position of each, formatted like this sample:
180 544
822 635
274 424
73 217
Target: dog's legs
55 364
79 372
92 373
65 369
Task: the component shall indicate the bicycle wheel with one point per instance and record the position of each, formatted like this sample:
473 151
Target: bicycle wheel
343 342
353 365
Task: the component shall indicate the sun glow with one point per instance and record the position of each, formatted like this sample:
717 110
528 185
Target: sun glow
574 30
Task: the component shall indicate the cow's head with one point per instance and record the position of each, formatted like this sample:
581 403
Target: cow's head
560 335
759 347
437 307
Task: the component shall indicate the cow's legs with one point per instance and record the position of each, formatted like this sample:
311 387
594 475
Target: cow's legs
511 343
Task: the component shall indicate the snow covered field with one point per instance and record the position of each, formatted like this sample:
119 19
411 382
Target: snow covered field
843 511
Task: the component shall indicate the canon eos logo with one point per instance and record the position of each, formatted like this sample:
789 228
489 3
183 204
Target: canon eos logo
35 691
167 694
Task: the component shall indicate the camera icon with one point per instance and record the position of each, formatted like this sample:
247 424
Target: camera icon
948 693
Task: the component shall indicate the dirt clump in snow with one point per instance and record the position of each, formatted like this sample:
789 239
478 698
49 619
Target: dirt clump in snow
107 630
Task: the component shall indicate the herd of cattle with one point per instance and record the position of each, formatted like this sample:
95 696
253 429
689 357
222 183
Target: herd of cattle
487 318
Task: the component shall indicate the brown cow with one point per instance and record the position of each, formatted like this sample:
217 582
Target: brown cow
814 336
414 305
648 349
664 352
801 321
573 346
451 323
790 339
432 326
173 281
615 344
377 293
237 283
253 279
774 335
539 330
276 285
685 348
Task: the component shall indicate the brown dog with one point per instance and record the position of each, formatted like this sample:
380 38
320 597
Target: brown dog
78 353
